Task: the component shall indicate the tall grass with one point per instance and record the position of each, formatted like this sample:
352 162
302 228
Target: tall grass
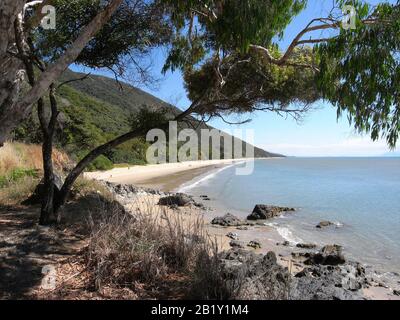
16 155
20 170
145 248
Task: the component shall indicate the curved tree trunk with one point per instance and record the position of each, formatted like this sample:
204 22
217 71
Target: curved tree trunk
81 166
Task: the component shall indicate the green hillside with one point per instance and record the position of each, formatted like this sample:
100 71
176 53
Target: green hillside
95 110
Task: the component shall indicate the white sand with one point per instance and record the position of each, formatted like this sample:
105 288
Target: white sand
139 174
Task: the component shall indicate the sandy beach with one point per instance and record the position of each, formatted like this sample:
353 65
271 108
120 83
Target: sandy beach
165 177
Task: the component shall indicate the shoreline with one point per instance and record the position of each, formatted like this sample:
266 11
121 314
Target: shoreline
166 177
182 176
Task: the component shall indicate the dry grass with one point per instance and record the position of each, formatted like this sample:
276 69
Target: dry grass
15 155
144 250
20 167
18 191
83 187
9 159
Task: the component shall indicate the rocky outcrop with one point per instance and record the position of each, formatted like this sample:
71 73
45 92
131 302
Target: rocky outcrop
252 276
255 244
264 212
179 199
128 190
236 244
233 236
228 220
329 255
329 283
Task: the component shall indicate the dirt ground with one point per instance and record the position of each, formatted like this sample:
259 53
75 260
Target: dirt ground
49 262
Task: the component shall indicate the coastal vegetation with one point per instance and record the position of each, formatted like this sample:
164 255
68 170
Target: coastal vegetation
228 55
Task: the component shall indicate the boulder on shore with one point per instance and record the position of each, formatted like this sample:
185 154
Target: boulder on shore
264 212
179 199
236 244
233 236
228 220
329 255
255 244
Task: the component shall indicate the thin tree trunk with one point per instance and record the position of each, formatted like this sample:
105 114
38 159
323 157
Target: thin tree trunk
26 52
47 210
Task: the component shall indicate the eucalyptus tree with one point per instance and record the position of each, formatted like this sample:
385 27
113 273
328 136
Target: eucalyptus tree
15 104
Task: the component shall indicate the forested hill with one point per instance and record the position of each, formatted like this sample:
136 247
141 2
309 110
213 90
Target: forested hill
96 109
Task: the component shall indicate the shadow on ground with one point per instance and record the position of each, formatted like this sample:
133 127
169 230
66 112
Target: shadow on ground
26 247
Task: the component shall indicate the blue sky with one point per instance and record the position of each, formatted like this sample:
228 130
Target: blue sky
319 134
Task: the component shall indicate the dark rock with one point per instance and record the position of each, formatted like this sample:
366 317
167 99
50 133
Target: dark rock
300 255
253 276
259 277
263 212
242 228
396 292
179 199
228 220
233 236
236 244
382 285
329 255
254 244
329 283
199 205
306 245
128 190
324 224
38 193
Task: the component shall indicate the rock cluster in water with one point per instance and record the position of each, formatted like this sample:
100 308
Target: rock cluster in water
264 212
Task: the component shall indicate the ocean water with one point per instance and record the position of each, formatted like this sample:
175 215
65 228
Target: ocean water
360 195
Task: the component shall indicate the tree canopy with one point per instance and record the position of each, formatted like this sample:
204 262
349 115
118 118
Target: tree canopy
360 72
136 27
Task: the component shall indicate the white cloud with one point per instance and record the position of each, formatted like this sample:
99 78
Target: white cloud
360 146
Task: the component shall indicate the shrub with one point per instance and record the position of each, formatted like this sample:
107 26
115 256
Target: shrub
17 174
17 191
101 163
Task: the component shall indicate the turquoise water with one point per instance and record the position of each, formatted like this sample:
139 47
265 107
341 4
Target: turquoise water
361 195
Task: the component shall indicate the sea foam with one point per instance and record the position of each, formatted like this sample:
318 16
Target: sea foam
195 182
